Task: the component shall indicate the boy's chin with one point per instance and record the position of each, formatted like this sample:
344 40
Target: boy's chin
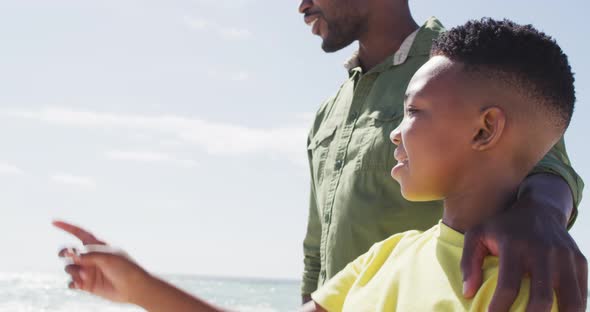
416 196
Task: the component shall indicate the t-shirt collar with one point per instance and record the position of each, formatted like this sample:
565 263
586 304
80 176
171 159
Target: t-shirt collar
449 235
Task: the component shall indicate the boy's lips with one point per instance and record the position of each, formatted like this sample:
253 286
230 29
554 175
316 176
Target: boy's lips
398 167
399 155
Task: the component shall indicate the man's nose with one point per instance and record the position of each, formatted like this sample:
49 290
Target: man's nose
305 5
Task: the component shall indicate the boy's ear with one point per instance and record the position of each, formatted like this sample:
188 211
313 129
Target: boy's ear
490 128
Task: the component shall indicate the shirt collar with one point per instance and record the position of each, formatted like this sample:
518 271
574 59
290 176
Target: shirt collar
417 43
398 58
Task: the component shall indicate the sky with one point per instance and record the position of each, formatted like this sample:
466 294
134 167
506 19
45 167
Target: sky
176 129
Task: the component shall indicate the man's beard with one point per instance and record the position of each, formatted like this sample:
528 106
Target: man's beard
340 35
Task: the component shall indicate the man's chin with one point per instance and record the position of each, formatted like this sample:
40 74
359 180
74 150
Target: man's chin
330 46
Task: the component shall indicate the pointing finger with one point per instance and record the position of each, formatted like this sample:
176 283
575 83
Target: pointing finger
86 237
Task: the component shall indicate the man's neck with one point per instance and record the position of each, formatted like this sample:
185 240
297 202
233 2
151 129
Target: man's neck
479 201
383 36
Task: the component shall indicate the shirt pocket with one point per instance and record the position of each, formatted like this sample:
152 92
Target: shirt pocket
378 154
318 150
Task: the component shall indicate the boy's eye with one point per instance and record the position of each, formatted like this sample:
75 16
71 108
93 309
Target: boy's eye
411 111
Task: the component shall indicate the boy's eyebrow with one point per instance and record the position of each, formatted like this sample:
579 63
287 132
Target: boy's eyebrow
407 95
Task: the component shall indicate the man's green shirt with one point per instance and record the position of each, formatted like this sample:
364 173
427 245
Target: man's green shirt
354 200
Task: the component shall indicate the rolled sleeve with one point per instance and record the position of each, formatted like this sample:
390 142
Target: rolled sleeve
557 162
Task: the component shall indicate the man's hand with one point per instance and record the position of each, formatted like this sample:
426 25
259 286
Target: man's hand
111 276
529 238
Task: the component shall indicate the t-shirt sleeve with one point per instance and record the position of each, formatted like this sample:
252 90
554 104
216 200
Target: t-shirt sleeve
331 296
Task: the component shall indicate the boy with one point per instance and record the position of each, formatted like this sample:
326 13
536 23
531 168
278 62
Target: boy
491 101
478 116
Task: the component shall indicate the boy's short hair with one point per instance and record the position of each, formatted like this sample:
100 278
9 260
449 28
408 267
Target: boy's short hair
518 56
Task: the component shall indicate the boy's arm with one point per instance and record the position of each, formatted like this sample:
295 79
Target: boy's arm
531 238
157 295
115 277
119 279
312 306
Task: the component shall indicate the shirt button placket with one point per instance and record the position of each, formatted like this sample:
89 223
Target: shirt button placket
338 164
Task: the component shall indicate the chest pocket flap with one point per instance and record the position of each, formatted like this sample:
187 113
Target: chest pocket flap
322 136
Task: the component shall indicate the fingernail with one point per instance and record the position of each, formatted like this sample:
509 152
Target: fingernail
76 285
83 275
465 288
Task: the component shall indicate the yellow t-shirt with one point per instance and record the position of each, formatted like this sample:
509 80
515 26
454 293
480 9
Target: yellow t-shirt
413 271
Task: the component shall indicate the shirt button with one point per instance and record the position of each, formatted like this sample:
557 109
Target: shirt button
323 274
338 164
327 217
354 115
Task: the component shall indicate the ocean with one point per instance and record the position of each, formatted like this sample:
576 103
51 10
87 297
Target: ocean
33 292
28 292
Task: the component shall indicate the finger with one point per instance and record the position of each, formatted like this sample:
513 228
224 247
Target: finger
509 278
568 293
75 273
541 294
83 235
472 259
77 279
67 252
95 258
72 269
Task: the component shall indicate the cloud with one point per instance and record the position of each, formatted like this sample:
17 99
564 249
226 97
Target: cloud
235 33
240 76
227 4
237 76
149 157
215 138
68 179
232 33
6 169
196 23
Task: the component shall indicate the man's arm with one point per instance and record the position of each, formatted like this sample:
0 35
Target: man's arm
556 162
531 238
311 250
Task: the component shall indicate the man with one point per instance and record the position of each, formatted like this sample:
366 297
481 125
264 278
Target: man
354 203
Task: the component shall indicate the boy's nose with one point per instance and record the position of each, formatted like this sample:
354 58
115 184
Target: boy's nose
305 5
396 136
